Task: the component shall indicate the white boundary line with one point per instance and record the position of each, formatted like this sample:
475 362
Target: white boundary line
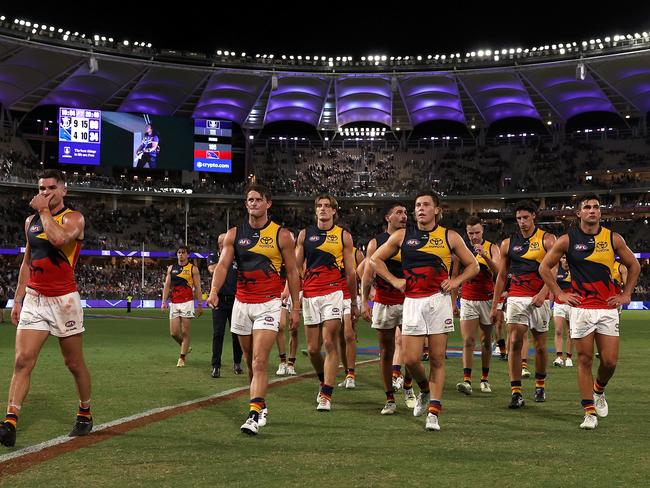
64 438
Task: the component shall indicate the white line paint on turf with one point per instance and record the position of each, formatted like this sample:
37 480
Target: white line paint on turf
64 438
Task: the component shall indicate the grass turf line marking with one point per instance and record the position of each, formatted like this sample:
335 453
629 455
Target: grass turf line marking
22 459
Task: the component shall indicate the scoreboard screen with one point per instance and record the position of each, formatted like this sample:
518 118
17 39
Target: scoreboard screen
79 136
213 145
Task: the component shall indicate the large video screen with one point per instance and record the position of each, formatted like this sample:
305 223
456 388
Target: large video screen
79 136
142 141
213 145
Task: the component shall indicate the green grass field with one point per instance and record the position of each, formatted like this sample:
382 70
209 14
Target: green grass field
132 361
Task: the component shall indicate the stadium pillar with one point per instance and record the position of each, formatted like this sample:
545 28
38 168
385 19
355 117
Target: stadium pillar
481 137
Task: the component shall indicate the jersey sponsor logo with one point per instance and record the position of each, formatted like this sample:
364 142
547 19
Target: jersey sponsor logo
36 229
412 242
314 238
244 242
267 241
436 242
581 247
332 238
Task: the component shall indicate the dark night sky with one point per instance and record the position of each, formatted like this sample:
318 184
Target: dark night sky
346 30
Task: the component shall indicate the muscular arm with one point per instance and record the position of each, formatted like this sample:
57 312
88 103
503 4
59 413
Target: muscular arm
166 287
384 252
71 228
538 299
633 270
548 271
23 278
196 278
368 272
300 250
288 251
493 262
349 265
465 258
221 270
502 276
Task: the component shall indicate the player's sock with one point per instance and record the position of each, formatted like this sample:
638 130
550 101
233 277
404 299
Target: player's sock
588 406
183 357
599 387
397 370
484 374
408 382
321 377
326 392
502 346
424 386
12 414
291 361
283 358
569 355
559 354
84 410
390 396
256 405
349 372
435 407
540 379
467 375
524 363
515 387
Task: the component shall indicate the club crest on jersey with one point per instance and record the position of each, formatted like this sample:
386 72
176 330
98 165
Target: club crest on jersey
581 247
244 242
332 238
534 246
314 238
36 229
412 242
601 246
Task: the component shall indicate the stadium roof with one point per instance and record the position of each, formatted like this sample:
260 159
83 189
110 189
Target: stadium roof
34 74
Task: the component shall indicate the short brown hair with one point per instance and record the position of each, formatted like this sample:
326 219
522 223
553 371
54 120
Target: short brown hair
261 189
326 196
429 193
473 220
52 173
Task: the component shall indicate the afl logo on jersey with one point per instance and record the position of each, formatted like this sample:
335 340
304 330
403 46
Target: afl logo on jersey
412 242
436 242
332 238
518 248
244 242
267 241
36 229
314 238
581 247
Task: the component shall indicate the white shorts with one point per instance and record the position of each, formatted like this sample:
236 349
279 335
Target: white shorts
521 311
184 310
475 309
61 316
561 310
316 310
247 317
584 321
428 315
387 316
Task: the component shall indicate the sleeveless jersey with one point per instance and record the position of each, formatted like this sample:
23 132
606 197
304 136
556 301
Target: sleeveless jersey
51 269
563 279
384 291
593 264
324 273
525 255
259 263
182 283
426 260
481 287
